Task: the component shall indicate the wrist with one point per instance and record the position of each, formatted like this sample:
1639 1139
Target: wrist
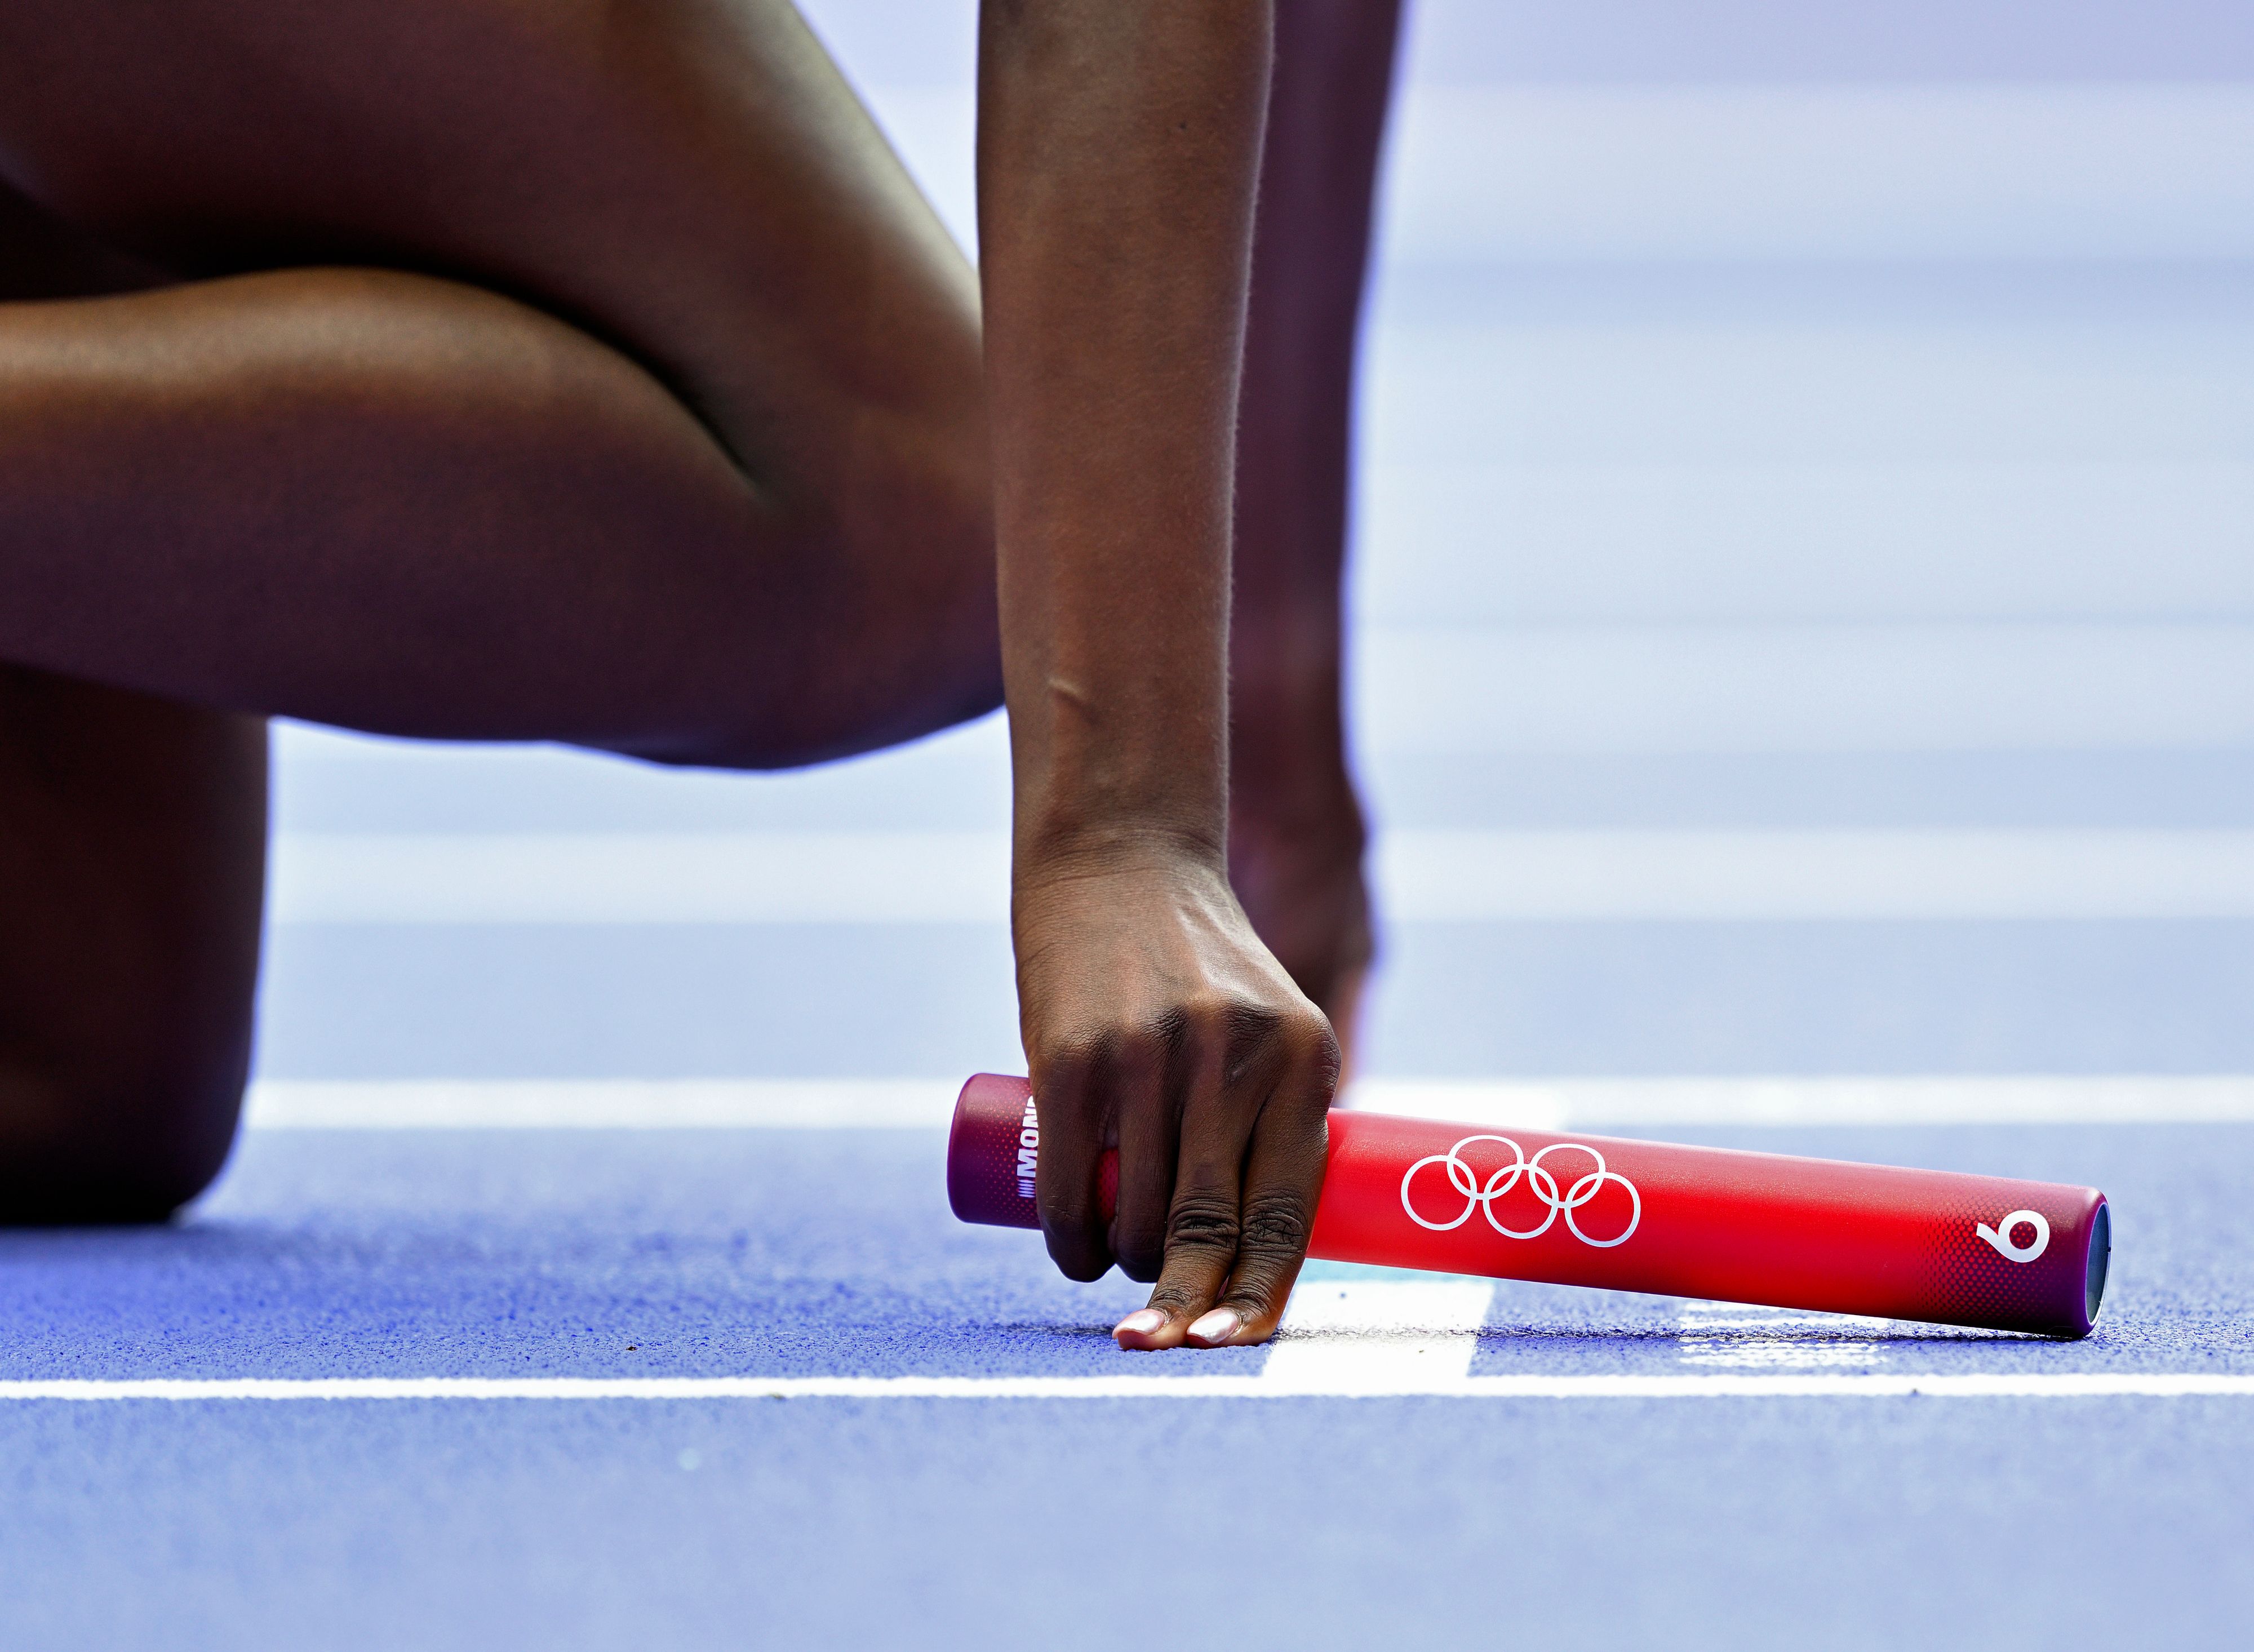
1084 795
1077 845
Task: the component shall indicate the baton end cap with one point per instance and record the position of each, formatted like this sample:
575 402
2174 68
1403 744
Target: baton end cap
2096 1260
992 1119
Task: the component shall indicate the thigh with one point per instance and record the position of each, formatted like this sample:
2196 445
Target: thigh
132 854
662 433
417 507
692 180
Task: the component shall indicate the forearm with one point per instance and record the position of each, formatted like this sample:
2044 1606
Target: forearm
1118 151
1327 99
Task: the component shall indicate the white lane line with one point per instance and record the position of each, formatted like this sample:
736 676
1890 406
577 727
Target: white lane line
854 1103
602 1104
1628 173
1743 1337
1470 877
2151 1385
1424 877
1371 1336
1629 688
655 877
1775 542
1658 1103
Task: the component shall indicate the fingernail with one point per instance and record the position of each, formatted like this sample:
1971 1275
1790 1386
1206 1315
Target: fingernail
1217 1326
1142 1322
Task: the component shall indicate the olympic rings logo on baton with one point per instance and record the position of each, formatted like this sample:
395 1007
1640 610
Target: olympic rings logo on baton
1539 1181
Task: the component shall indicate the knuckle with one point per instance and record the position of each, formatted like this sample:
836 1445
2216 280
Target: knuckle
1089 1058
1255 1041
1149 1045
1312 1044
1250 1022
1204 1019
1076 1259
1141 1250
1210 1226
1275 1225
1065 1225
1202 1001
1313 1039
1172 1029
1141 1262
1064 1062
1176 1300
1062 1207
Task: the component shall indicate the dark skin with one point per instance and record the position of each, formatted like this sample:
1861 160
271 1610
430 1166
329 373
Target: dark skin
1296 830
496 369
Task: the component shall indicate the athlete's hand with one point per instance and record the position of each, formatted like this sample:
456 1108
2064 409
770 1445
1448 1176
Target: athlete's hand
1157 1023
1296 863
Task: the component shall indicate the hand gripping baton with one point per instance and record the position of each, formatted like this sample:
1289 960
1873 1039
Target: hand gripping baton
1652 1216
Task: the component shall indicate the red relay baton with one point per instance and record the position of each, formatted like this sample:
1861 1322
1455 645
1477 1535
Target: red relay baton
1650 1217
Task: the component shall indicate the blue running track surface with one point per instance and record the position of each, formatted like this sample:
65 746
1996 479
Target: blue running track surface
1841 1519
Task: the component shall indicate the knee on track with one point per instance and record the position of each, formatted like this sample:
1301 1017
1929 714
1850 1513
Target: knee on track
82 1149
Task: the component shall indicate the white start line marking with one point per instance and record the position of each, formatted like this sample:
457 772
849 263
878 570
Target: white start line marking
1376 1339
882 1103
2087 1385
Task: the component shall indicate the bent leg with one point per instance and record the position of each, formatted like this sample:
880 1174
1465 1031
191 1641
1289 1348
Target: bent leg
403 503
410 506
132 859
708 484
1296 830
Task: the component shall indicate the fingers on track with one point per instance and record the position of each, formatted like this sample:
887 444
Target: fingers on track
1249 1166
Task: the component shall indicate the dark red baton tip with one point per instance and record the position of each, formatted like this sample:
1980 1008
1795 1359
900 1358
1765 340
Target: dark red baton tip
992 1151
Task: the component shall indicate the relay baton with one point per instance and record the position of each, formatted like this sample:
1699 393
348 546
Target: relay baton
1652 1216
